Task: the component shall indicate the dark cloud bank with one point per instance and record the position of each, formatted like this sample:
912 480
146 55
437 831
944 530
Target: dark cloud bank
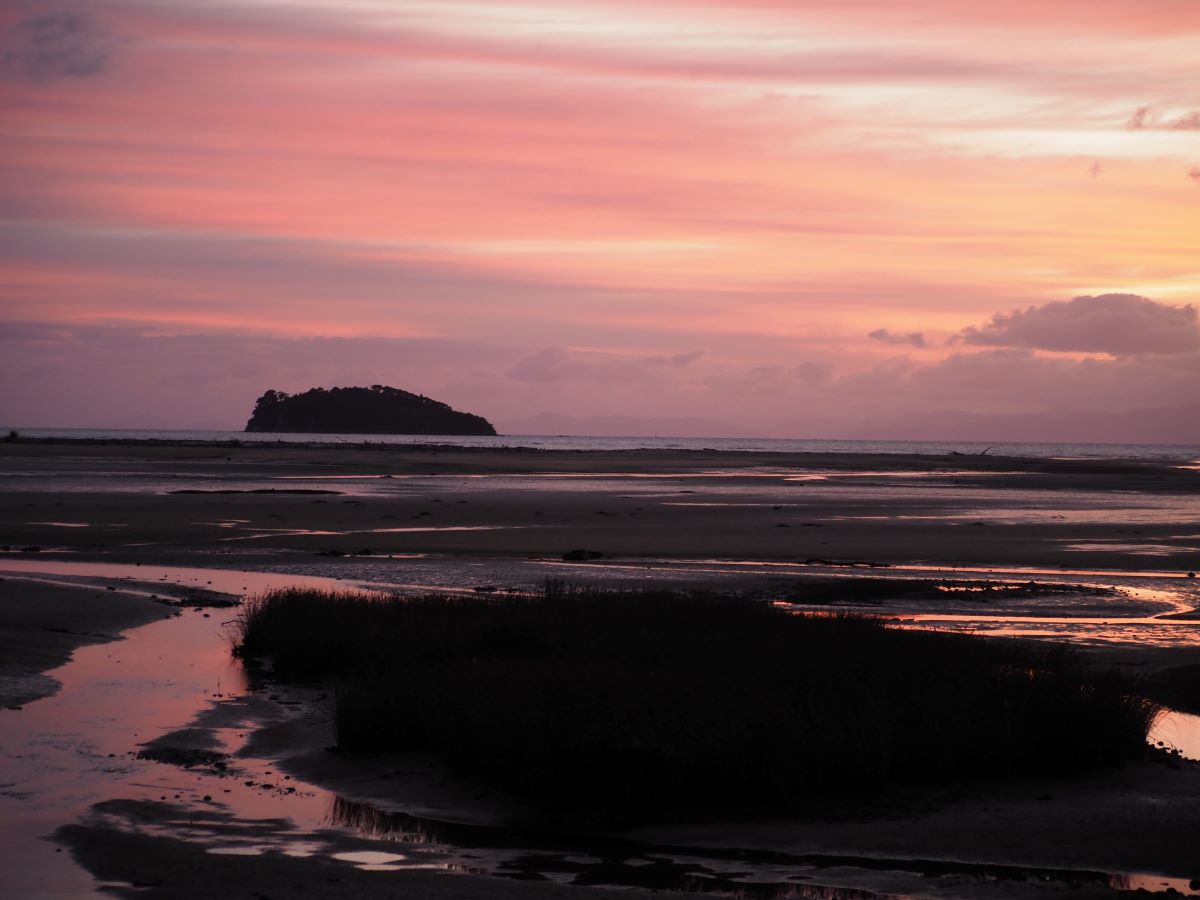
912 339
1118 324
62 44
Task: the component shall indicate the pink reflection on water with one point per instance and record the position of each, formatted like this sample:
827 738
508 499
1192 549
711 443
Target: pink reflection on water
260 533
225 581
1177 731
60 755
1142 549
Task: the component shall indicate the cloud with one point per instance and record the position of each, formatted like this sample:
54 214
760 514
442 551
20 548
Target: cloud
1189 122
912 339
1194 174
56 45
56 375
560 364
1143 120
77 375
1137 121
675 360
1008 380
1118 324
777 384
813 371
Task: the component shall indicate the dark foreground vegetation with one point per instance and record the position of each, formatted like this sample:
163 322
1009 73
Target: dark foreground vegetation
647 705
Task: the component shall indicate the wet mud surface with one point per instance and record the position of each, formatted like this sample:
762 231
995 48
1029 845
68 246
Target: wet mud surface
158 755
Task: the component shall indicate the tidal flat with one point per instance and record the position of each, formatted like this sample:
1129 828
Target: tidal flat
220 779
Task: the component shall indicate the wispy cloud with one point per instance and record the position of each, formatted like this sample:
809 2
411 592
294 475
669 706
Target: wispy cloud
1143 119
53 45
1119 324
911 339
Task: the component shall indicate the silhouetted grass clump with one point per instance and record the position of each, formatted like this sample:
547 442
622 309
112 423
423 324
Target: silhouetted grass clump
642 705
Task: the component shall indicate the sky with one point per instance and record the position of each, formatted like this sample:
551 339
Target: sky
782 218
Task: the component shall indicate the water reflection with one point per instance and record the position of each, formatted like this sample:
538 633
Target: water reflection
64 753
1156 884
577 860
370 820
769 875
224 581
1177 731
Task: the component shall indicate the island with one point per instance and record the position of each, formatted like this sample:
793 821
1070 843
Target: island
361 410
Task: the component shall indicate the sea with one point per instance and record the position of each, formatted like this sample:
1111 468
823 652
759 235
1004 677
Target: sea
1179 453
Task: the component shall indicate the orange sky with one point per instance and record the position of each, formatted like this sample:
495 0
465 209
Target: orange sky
777 217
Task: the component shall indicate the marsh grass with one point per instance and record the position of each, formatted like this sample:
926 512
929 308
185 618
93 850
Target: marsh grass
642 705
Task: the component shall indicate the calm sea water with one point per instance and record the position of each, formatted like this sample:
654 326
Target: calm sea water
1175 452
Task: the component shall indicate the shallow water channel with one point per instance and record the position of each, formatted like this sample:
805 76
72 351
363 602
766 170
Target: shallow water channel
73 756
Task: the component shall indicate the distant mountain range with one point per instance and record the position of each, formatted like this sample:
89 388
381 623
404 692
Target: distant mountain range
623 426
360 410
1161 425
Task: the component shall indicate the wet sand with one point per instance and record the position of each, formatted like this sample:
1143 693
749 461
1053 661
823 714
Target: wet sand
489 515
1136 818
160 868
127 501
42 624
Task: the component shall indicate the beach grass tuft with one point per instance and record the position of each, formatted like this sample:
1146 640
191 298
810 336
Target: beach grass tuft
649 705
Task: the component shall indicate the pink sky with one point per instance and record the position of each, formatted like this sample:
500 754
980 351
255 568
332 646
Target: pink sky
805 218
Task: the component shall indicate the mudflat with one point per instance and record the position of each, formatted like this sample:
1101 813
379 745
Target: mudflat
41 624
772 525
174 502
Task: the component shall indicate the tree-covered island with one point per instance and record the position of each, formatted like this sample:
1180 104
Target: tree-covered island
360 410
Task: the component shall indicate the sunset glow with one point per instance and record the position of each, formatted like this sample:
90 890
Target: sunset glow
782 219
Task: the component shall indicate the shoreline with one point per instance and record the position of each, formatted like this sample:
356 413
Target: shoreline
599 443
42 625
338 441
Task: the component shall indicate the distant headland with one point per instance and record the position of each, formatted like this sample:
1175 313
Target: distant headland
360 410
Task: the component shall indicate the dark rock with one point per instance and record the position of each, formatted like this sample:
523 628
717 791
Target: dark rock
186 757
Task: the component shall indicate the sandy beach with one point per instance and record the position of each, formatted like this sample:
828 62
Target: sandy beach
488 520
